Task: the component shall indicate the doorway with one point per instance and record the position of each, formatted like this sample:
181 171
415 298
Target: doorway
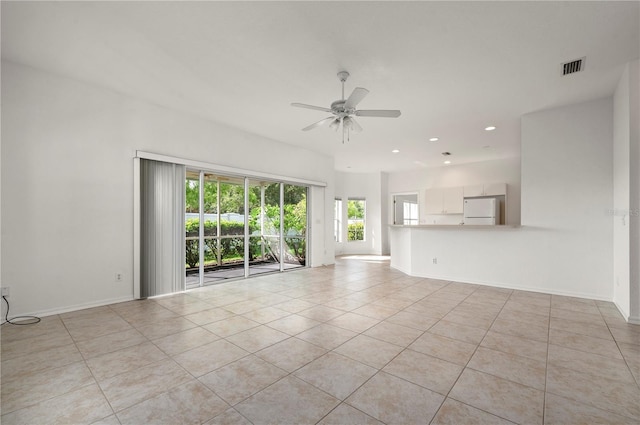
405 209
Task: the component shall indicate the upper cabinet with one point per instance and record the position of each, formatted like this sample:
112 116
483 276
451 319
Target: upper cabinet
450 200
444 200
487 189
433 201
475 190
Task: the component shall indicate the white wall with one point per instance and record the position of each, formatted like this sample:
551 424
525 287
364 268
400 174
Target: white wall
385 213
2 304
567 191
67 184
368 186
626 188
621 193
321 248
634 177
496 171
565 245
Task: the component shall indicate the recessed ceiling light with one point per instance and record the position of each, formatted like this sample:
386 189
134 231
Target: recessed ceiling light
447 162
490 128
395 151
434 139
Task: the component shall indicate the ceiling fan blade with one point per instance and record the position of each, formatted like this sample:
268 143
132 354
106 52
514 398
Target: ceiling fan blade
318 124
356 96
389 113
317 108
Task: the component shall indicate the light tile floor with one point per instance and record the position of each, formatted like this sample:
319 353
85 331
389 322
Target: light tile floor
355 343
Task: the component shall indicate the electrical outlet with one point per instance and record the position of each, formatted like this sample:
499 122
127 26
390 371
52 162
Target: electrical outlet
118 277
435 260
4 291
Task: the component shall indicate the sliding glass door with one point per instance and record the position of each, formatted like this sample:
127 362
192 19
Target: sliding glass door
192 228
295 226
264 227
231 235
210 240
233 232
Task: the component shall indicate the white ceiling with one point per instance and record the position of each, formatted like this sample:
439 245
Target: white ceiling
452 68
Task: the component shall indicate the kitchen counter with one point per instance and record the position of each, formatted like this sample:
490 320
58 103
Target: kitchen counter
460 252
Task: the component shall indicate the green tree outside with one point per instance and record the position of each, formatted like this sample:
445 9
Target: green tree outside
356 210
232 200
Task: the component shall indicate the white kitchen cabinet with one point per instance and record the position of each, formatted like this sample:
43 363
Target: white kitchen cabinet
433 201
444 200
487 189
495 189
452 200
475 190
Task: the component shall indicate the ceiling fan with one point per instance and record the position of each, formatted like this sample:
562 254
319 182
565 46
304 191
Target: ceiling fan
344 110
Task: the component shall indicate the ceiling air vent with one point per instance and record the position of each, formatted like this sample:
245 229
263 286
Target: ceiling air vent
573 66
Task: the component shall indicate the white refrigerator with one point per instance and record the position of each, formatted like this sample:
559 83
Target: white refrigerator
482 211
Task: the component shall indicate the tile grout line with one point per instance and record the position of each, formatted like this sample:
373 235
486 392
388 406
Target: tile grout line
467 364
378 370
591 353
331 280
636 379
84 359
168 357
546 365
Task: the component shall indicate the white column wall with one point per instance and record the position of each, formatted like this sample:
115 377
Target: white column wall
626 194
67 184
634 177
2 304
621 195
567 191
385 211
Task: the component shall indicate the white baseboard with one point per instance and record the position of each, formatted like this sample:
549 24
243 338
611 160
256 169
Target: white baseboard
68 309
401 269
634 320
624 314
551 291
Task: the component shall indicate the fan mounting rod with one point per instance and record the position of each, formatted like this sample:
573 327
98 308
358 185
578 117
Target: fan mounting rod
342 76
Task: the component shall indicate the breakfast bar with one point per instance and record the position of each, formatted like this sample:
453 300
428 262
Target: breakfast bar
464 253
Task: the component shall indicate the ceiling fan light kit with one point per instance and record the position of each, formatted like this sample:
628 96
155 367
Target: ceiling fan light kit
344 110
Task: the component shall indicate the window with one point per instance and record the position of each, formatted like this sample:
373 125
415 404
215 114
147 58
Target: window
356 212
410 213
405 209
337 220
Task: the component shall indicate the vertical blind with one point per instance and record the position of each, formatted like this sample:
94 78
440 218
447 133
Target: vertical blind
162 251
